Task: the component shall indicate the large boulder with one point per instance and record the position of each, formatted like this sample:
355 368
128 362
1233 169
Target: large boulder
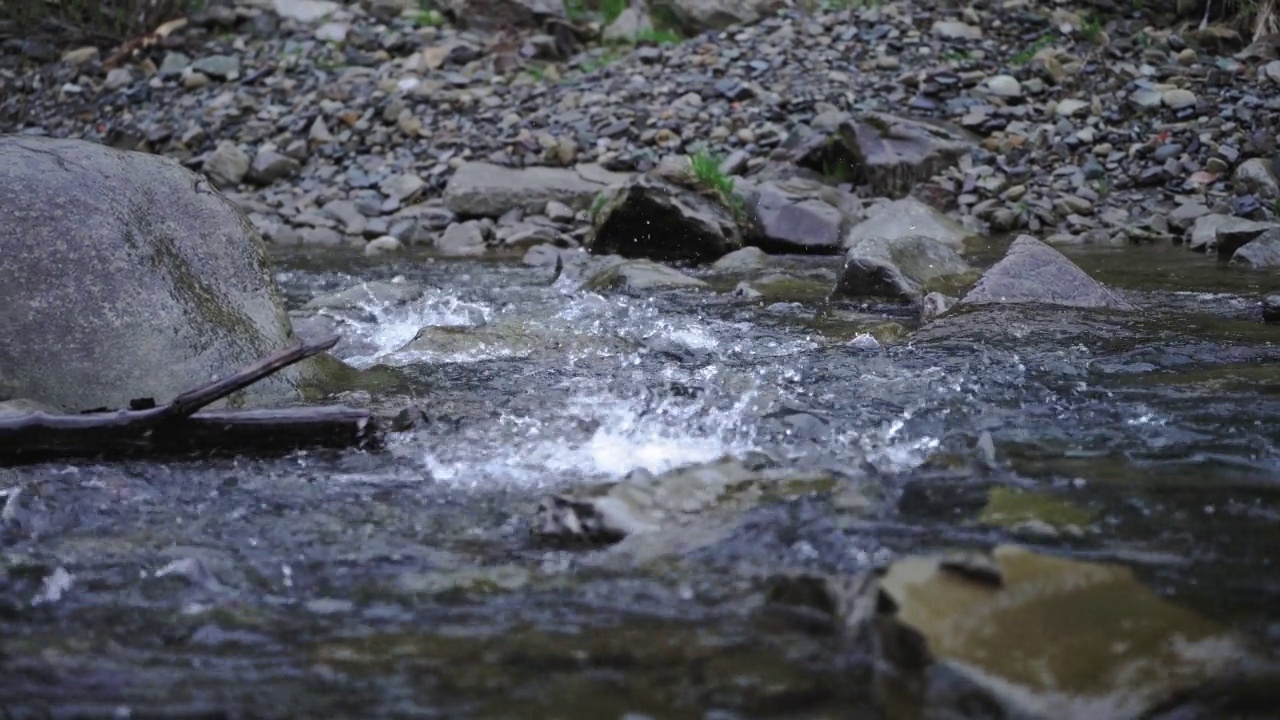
126 276
891 154
906 218
902 268
797 215
1034 273
480 189
651 217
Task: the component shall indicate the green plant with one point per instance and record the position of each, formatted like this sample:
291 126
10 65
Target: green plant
597 204
1024 57
608 10
429 18
1091 27
657 37
708 175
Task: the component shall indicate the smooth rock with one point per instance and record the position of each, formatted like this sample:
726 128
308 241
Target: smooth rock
902 268
1033 272
909 217
479 189
128 276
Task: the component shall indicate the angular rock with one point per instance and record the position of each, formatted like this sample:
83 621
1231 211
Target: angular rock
1225 233
462 239
1033 272
652 218
909 217
788 219
1255 176
227 165
1261 252
887 152
479 189
269 166
128 276
903 268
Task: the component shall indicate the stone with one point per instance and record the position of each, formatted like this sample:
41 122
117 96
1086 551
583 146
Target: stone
384 245
1131 649
269 166
227 165
224 67
1006 86
695 16
305 11
909 217
787 221
1260 253
1224 233
902 268
656 219
629 24
170 286
748 258
1255 176
891 154
1071 107
637 275
1271 308
401 187
1177 98
1032 272
462 239
117 78
956 30
479 189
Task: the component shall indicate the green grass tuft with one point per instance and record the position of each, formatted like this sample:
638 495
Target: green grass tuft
707 173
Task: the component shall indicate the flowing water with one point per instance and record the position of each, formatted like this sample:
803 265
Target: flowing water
408 583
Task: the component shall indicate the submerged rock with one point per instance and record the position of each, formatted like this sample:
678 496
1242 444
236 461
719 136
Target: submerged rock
660 220
1032 272
128 276
636 275
1058 638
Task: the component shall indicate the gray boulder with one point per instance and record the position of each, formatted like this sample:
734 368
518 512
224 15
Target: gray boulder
891 154
494 14
1224 233
789 216
127 276
653 218
616 274
1032 272
905 218
903 268
1261 252
480 189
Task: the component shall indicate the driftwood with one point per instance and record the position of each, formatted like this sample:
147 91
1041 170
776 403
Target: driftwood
178 427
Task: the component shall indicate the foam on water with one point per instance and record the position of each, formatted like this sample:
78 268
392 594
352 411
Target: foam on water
606 420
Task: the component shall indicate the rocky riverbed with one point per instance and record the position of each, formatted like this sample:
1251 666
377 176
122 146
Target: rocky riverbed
731 377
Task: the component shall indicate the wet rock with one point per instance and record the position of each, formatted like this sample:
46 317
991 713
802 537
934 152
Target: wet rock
1224 233
480 189
934 305
638 275
891 154
384 245
903 268
644 503
748 258
905 218
652 218
788 219
365 295
1034 513
1033 272
1271 308
1056 637
176 267
1261 252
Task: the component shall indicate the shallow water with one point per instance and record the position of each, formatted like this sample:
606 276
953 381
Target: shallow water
407 583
